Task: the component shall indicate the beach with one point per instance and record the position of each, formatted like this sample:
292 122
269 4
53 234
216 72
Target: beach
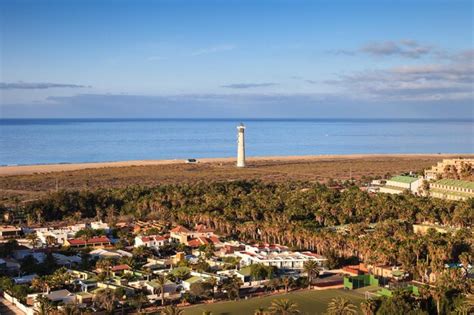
51 168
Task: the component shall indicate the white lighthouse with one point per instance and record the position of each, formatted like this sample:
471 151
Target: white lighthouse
241 145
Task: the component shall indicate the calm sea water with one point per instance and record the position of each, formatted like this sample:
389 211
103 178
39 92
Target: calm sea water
30 141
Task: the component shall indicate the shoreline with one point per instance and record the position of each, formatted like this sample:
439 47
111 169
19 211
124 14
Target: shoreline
11 170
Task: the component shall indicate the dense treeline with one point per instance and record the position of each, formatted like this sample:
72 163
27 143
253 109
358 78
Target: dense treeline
300 204
295 213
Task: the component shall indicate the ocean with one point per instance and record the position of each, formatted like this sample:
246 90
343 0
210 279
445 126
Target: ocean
38 141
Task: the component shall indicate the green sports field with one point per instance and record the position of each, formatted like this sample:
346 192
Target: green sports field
309 302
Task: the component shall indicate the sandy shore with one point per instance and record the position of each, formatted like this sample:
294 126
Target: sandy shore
48 168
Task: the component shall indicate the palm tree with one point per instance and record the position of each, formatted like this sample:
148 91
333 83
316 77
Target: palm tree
104 265
213 283
44 305
287 282
138 301
311 267
106 299
274 283
146 272
33 238
161 281
69 309
437 293
260 311
232 286
341 306
172 310
368 307
284 307
50 240
38 283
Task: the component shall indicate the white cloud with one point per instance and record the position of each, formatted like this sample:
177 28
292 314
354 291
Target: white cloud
212 50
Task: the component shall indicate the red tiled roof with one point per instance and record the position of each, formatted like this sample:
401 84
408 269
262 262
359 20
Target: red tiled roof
154 238
180 229
120 267
201 228
215 240
94 240
196 242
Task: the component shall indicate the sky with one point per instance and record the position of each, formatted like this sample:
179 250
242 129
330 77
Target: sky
242 59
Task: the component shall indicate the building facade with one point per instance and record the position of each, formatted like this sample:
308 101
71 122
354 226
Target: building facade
399 184
452 189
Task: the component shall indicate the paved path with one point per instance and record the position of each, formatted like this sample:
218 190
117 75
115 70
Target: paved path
6 308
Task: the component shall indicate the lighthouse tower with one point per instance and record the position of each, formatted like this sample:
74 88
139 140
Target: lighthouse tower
241 145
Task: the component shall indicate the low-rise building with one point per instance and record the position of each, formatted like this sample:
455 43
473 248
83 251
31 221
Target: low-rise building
278 258
110 253
452 165
151 241
91 242
399 184
9 231
452 189
199 236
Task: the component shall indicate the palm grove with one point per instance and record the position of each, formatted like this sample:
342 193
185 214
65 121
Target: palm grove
377 228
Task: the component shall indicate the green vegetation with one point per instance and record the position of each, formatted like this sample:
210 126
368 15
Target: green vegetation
375 229
308 302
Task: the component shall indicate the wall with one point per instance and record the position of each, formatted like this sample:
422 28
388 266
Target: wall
25 309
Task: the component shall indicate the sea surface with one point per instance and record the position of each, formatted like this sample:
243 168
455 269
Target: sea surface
37 141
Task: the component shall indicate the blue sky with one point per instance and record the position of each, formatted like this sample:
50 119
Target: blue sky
236 59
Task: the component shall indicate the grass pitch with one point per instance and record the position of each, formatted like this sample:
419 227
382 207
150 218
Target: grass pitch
309 302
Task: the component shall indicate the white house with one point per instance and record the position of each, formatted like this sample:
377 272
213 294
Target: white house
152 241
399 184
279 259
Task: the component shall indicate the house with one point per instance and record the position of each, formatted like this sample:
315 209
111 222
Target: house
81 274
391 272
84 297
67 261
99 225
9 231
113 286
153 287
277 256
20 254
399 184
158 263
110 253
188 282
151 241
452 189
100 241
119 269
267 248
59 296
26 279
59 236
183 235
180 234
86 285
200 241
